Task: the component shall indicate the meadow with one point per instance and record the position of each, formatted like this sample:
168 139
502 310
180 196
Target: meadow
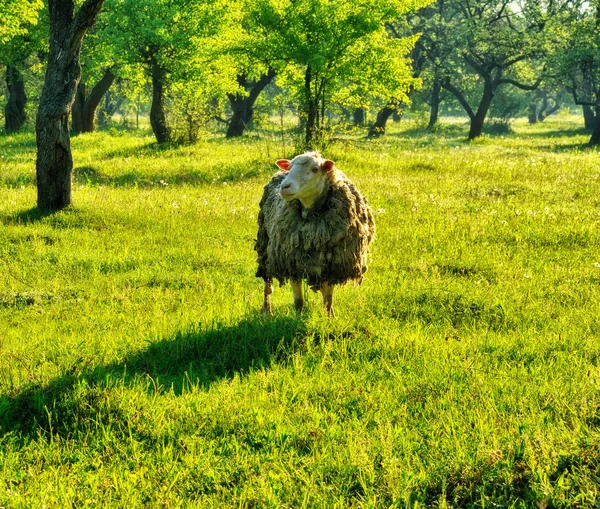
136 370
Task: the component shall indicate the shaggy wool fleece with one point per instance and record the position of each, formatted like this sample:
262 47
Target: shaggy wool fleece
328 243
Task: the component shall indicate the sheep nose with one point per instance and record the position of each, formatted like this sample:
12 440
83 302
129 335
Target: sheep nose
285 186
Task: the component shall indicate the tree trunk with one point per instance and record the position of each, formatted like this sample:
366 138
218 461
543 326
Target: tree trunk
158 119
595 138
484 105
242 116
544 114
532 113
311 107
14 112
54 163
104 112
91 102
378 127
434 113
243 106
77 109
358 117
589 117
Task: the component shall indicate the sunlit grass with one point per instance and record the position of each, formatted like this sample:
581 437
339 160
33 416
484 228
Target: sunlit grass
135 369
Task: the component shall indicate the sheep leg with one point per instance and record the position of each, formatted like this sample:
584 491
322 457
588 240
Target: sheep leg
298 298
266 309
327 292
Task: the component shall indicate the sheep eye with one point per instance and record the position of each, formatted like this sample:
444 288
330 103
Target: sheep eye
314 170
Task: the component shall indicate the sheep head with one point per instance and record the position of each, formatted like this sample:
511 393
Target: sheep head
307 177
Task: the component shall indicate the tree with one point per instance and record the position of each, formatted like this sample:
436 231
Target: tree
334 50
16 52
167 39
491 43
85 105
393 108
54 164
546 100
576 60
242 104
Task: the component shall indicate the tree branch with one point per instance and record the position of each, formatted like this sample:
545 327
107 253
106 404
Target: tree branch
84 19
477 67
460 97
522 86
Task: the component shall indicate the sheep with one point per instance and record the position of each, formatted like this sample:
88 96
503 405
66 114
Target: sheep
313 225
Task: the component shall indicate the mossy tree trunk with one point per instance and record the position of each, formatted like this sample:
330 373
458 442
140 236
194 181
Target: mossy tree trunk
54 165
14 112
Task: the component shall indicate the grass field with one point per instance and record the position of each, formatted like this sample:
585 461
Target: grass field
135 369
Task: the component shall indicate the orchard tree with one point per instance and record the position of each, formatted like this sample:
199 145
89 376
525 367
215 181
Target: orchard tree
167 38
576 60
494 42
335 49
54 165
99 64
242 101
87 101
17 52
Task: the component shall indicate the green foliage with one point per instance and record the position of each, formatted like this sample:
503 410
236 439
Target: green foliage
16 16
333 51
574 52
135 371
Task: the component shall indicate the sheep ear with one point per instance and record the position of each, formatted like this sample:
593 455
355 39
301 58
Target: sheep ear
328 165
283 164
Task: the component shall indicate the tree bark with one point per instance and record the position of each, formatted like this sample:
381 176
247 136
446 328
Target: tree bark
595 138
358 117
54 164
532 113
93 100
544 114
243 106
77 109
311 107
158 119
588 117
378 127
14 112
484 105
434 112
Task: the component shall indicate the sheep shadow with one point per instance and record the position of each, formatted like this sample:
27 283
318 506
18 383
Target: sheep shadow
197 358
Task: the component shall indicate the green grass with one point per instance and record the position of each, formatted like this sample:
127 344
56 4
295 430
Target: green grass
136 371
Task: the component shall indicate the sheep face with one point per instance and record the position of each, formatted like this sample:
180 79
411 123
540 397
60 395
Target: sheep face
308 175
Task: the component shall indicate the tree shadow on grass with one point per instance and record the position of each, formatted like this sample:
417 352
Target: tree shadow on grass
67 218
199 358
559 133
28 216
230 173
